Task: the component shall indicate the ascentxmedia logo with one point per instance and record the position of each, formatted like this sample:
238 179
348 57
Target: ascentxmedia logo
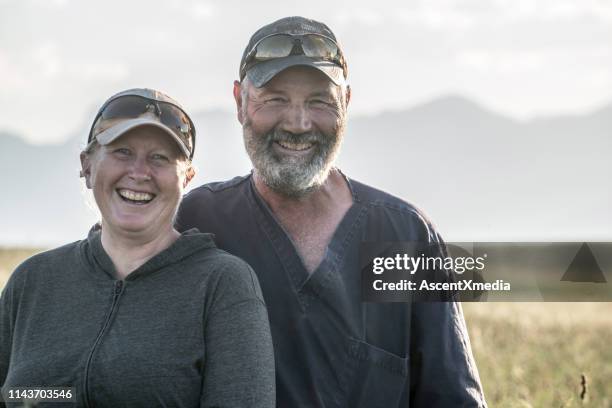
485 271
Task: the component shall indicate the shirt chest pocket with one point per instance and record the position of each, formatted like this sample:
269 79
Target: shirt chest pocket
373 377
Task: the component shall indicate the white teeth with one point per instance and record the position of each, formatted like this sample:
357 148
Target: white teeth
295 146
135 196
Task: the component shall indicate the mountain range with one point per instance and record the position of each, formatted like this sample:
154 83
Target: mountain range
479 175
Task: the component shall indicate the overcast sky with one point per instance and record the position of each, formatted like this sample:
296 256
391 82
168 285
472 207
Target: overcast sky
60 59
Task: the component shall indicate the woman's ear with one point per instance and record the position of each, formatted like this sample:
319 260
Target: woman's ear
86 168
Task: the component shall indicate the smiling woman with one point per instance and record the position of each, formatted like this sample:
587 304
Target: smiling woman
137 181
138 314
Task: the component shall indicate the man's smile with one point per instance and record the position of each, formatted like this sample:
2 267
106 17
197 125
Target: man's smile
293 147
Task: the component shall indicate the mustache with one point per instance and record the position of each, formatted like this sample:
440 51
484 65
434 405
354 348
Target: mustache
278 135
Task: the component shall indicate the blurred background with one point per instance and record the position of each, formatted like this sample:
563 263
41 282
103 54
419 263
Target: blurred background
493 116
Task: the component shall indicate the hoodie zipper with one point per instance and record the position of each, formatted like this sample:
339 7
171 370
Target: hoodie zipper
117 290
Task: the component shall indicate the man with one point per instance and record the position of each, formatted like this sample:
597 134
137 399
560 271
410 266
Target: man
299 221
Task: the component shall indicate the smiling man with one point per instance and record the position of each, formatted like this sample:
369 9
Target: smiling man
299 222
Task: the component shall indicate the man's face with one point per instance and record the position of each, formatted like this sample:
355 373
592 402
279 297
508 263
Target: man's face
293 129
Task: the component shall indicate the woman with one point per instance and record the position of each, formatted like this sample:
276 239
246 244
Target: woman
137 314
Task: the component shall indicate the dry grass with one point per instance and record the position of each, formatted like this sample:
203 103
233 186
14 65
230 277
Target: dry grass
534 354
528 354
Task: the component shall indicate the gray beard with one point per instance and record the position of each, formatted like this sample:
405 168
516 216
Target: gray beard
288 175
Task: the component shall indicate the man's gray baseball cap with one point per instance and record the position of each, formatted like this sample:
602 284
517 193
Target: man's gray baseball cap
262 72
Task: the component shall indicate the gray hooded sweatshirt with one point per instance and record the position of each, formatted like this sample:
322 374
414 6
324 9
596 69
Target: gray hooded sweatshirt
188 328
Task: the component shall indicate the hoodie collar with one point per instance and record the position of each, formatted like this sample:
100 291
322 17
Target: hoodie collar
187 244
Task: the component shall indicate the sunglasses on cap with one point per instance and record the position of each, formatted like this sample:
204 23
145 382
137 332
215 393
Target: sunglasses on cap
283 45
134 106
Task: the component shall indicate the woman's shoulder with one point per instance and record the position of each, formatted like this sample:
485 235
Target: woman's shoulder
38 265
52 256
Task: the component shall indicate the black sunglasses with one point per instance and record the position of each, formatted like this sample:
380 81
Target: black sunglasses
133 106
282 45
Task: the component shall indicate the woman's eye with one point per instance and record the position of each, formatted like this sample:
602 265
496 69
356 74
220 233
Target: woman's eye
319 102
160 157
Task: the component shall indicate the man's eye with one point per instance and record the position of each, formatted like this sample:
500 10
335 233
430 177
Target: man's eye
275 100
319 102
122 151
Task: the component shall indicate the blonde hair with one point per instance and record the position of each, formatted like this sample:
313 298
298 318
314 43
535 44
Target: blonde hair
91 147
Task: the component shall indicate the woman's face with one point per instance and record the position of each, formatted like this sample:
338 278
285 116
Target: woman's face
137 181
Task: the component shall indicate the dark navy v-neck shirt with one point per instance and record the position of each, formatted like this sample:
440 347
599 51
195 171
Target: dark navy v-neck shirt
331 349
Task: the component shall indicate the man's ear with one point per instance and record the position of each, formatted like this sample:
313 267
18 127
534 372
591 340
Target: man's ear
348 94
86 168
238 99
189 175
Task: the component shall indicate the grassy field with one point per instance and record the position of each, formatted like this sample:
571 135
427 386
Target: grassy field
534 354
528 354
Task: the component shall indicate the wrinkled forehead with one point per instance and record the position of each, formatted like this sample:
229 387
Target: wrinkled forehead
300 80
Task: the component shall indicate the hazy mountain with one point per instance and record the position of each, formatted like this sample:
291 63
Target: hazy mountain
483 176
479 175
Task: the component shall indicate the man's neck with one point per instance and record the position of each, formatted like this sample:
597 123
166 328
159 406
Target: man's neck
130 251
310 220
333 192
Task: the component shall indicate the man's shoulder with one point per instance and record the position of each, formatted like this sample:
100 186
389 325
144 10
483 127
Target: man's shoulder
216 187
389 212
375 197
212 201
